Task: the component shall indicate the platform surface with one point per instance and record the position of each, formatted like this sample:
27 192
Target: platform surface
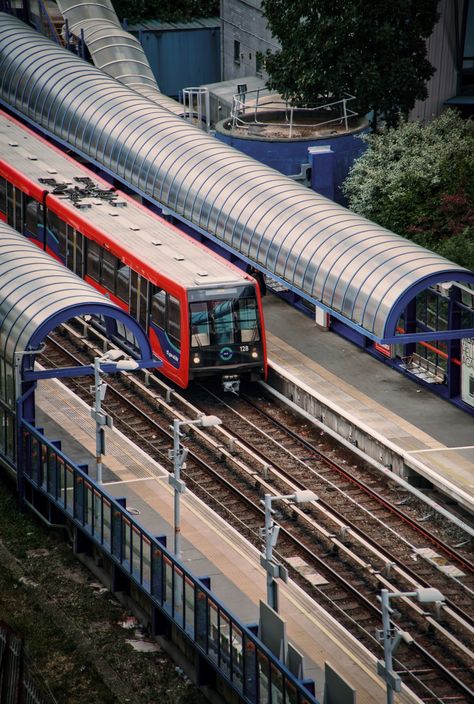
210 546
429 428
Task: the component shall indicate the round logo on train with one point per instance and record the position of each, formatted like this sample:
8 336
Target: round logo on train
226 354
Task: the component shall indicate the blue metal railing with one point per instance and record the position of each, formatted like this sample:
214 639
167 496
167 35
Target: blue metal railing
228 646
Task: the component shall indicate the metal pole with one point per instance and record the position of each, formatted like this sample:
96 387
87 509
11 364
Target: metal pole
177 468
387 640
98 428
272 586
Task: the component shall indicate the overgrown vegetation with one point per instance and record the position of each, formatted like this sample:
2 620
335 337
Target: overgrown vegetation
164 10
374 50
419 182
71 626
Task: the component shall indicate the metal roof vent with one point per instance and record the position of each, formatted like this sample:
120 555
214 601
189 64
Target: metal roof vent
32 157
118 203
12 144
114 215
156 243
81 205
179 258
202 273
135 228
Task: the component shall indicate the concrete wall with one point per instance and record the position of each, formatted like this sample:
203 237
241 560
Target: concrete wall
243 21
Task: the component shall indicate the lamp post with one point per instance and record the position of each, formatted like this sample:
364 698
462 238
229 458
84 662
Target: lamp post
179 455
391 637
112 357
270 533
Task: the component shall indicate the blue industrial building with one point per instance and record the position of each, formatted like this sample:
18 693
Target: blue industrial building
181 54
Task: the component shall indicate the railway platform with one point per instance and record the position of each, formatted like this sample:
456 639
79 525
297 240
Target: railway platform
431 437
210 547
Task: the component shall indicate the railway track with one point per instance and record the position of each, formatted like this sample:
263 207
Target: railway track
343 549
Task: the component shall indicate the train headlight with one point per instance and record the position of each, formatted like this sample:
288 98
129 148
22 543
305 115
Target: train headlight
196 359
254 354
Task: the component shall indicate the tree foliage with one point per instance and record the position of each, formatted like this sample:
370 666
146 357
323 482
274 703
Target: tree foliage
373 50
419 182
164 10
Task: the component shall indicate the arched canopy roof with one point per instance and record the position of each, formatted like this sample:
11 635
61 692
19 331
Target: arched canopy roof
360 272
37 294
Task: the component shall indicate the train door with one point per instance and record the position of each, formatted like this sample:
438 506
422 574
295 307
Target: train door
14 207
139 295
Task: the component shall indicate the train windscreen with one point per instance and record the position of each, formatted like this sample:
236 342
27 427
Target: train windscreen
223 317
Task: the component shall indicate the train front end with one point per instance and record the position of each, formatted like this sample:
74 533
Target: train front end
227 336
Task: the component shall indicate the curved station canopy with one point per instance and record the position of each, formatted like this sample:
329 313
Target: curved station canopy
361 273
37 294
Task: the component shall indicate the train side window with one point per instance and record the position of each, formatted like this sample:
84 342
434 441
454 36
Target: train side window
3 196
33 217
174 321
93 260
109 267
57 228
123 279
158 309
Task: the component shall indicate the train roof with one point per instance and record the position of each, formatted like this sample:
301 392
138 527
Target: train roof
148 239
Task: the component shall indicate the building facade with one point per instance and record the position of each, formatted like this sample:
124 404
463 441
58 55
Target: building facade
246 38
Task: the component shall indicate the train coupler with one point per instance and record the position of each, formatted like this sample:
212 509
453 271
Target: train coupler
231 383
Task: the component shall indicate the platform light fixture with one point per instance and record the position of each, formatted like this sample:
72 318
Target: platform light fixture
102 420
273 568
178 455
392 636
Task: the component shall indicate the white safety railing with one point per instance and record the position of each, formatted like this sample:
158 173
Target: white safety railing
249 108
196 107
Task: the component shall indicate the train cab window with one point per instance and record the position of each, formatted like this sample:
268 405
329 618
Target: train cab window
93 260
174 320
57 228
248 320
223 322
109 267
200 325
123 279
3 196
158 309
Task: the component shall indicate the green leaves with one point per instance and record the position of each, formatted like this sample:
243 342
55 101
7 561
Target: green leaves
375 51
419 182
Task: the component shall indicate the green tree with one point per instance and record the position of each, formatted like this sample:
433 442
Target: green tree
164 10
418 181
373 50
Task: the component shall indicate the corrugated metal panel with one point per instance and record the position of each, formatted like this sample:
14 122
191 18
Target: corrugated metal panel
113 50
133 227
346 262
441 51
157 26
34 287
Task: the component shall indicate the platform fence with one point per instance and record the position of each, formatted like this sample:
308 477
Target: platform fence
225 644
17 683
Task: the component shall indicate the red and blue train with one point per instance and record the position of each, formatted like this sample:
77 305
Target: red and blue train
203 315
